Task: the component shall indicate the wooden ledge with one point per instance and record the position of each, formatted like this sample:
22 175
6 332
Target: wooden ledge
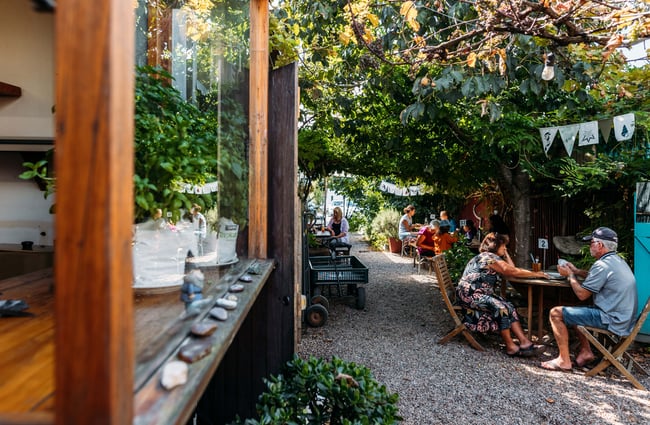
9 90
155 405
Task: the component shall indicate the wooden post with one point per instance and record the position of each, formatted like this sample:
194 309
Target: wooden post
94 201
258 116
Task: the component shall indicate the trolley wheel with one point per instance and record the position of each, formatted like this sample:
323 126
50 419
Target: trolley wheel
320 299
361 298
316 315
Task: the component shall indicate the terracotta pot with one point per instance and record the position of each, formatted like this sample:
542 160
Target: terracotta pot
395 245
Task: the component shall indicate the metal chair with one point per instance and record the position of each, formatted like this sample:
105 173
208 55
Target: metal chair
423 260
614 349
445 285
408 247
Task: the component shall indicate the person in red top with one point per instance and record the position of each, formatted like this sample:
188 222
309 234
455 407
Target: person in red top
424 243
443 240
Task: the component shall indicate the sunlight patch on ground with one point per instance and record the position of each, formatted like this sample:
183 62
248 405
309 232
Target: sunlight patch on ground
423 278
396 258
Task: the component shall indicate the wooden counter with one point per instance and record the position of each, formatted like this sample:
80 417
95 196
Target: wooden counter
27 347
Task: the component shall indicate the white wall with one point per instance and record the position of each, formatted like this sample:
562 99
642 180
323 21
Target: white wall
24 212
26 49
27 61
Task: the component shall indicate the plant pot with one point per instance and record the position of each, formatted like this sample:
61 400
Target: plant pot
394 245
319 251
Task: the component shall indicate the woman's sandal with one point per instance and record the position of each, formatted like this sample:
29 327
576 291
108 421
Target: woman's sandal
531 351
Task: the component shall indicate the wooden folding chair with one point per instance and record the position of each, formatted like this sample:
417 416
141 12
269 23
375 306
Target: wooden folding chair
614 349
446 286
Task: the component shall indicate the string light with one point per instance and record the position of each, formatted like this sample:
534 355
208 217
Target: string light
549 67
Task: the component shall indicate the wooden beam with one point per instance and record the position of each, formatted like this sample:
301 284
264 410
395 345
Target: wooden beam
94 169
9 90
258 117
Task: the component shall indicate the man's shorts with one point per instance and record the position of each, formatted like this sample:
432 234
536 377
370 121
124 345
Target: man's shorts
584 316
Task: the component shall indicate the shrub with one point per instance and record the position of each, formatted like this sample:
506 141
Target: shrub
385 225
315 391
457 258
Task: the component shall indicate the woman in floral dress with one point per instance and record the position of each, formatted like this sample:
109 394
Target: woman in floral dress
477 292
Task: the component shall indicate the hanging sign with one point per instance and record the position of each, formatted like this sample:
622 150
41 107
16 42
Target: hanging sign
624 127
548 135
568 134
588 133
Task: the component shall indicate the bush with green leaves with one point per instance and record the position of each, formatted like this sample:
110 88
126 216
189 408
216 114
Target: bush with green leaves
457 258
317 392
385 225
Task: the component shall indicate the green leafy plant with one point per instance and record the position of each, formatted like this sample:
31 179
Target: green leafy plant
457 258
41 172
317 392
385 225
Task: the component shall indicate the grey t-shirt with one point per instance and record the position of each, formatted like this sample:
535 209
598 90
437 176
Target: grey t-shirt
612 282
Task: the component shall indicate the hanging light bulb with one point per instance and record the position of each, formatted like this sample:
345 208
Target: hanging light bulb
549 67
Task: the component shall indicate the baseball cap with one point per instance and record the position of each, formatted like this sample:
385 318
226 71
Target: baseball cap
602 233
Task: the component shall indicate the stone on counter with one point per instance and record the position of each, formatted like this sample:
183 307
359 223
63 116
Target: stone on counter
195 350
205 328
246 278
237 287
174 374
219 313
227 304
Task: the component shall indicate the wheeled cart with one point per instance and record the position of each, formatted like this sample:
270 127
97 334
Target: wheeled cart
334 276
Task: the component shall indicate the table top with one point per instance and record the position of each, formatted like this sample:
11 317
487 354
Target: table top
540 281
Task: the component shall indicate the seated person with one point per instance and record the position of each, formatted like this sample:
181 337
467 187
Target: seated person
443 240
469 231
485 311
497 225
406 229
424 242
444 215
338 227
611 285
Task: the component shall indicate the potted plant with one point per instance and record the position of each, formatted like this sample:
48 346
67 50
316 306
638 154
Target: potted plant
316 391
384 230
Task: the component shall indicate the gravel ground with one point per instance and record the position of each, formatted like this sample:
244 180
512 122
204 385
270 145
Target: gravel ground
396 337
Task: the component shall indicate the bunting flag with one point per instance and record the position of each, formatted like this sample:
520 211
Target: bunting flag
624 127
588 133
623 130
548 135
605 127
199 190
400 191
568 134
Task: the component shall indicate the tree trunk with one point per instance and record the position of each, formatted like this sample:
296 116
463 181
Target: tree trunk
515 185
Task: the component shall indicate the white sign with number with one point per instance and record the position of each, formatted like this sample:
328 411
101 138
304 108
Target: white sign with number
462 223
542 243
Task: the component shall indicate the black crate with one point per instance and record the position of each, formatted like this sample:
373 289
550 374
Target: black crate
341 269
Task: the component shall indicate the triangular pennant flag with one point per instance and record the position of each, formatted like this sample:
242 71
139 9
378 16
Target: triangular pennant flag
548 135
605 127
568 134
588 133
624 127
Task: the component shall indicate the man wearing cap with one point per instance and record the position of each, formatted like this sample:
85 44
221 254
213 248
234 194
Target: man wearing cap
612 285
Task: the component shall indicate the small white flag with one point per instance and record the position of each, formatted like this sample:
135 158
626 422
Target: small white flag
568 134
548 135
624 127
588 133
605 127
